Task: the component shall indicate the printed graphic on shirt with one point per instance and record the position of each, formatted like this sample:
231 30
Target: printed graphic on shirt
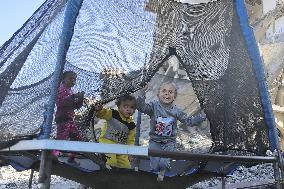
116 136
164 126
117 131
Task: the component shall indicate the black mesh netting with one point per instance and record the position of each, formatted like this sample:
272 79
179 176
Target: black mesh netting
118 45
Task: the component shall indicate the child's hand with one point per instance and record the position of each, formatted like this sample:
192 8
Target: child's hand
80 94
198 118
86 101
202 116
98 106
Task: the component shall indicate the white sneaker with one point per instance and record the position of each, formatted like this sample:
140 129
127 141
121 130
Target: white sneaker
108 167
136 169
161 176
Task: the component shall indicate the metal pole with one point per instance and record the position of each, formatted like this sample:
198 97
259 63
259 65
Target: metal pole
45 170
71 13
223 182
211 157
257 64
138 124
31 178
43 177
137 136
277 175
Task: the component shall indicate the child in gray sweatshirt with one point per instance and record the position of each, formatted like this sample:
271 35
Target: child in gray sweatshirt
163 124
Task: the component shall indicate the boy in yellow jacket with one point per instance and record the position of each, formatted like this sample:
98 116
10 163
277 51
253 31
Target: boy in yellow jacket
119 128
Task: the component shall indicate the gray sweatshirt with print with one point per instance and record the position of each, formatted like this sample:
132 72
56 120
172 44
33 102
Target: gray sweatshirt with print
163 119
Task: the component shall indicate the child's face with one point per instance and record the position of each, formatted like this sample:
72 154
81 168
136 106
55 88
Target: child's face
126 108
70 80
167 93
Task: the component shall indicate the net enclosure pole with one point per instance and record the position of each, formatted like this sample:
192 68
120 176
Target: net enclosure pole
71 12
257 64
70 15
138 126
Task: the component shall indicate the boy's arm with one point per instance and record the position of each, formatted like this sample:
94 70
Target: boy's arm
190 120
78 100
142 106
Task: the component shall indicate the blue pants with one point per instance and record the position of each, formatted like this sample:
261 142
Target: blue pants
157 163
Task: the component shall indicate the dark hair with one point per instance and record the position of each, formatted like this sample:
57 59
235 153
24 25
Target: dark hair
125 98
63 76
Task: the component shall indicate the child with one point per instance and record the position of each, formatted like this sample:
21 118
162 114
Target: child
163 124
66 103
119 128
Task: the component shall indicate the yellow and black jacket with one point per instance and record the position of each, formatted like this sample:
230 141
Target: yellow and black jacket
117 129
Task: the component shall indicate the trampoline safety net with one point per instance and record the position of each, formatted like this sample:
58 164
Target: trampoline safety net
133 40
